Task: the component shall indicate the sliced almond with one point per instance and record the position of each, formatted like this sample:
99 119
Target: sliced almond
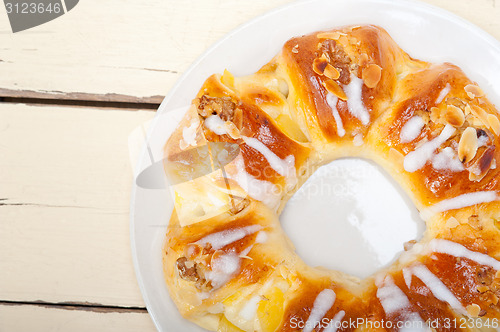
482 164
335 35
482 289
319 65
363 59
435 114
238 118
331 72
454 116
371 75
232 130
473 310
452 223
227 79
494 123
343 40
467 147
480 114
334 88
473 91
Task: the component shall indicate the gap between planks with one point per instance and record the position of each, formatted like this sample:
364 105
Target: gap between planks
82 306
90 103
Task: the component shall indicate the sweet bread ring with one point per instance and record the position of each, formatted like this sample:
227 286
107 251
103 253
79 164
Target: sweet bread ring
346 92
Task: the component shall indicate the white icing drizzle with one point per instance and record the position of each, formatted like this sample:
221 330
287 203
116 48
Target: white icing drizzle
391 296
261 237
457 250
189 134
407 277
411 129
436 286
223 269
459 202
393 300
249 310
334 324
443 93
355 103
447 159
323 302
215 124
221 239
331 99
263 191
418 158
284 167
482 141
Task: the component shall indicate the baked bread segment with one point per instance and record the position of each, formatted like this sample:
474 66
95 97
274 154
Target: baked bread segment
247 144
343 79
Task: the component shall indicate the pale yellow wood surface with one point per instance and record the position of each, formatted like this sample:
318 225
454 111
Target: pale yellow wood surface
65 182
131 50
65 175
29 318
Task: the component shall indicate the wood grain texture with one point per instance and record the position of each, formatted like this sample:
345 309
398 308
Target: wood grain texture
117 50
29 318
65 180
128 50
65 175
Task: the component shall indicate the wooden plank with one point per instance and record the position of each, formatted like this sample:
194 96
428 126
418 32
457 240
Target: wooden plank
29 318
116 50
134 51
65 181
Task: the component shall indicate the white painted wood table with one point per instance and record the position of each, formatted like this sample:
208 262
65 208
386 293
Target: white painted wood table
71 91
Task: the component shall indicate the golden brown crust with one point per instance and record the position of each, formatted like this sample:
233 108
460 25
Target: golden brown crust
346 92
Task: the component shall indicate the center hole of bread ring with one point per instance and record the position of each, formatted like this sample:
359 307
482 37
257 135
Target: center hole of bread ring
352 217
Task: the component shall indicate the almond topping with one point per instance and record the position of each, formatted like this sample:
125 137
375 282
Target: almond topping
343 40
232 130
319 65
473 91
334 88
467 147
497 275
331 72
482 165
435 114
335 35
480 114
454 116
473 310
363 59
295 49
238 118
452 223
371 75
494 123
227 79
482 289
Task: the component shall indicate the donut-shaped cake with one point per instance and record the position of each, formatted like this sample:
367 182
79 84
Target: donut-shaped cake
247 144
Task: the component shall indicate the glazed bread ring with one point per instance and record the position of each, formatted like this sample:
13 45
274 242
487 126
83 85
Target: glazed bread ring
341 93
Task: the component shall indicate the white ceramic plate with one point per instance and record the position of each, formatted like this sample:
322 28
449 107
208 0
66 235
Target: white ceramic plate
425 32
